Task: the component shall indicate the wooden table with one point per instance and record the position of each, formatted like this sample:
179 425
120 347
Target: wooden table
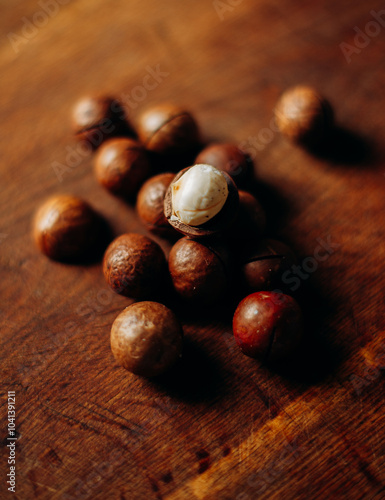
223 427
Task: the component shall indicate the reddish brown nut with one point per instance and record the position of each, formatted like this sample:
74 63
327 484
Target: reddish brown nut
228 158
134 266
268 326
96 118
303 115
66 227
250 222
150 203
168 129
263 265
121 166
199 270
146 338
201 201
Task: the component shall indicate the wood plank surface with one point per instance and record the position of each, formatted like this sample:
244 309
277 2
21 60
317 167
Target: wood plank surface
221 427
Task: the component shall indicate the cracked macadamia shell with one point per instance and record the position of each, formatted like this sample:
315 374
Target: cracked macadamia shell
268 326
201 201
146 338
198 195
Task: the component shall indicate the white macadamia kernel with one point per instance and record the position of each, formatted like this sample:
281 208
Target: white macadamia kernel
198 195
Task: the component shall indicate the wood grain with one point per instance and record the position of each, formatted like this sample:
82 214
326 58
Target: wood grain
219 426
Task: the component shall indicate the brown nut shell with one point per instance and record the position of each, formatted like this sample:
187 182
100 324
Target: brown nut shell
303 115
199 270
134 266
146 338
167 129
121 166
66 227
96 118
150 204
219 223
268 326
250 222
263 265
228 158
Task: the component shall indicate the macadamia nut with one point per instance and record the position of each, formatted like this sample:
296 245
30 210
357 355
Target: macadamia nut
199 195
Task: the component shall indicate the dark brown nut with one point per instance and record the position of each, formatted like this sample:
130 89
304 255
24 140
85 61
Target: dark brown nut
303 115
201 201
66 227
250 222
96 118
150 204
168 129
263 265
135 266
268 326
121 166
230 159
199 271
146 338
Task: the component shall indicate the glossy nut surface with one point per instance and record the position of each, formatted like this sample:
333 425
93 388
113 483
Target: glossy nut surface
96 118
146 338
168 129
250 222
134 266
303 115
268 326
121 166
65 227
228 158
150 204
199 271
263 265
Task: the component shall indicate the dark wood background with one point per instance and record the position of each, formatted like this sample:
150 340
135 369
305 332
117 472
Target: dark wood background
222 427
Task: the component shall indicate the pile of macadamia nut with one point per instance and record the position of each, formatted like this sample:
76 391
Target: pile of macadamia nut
216 224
